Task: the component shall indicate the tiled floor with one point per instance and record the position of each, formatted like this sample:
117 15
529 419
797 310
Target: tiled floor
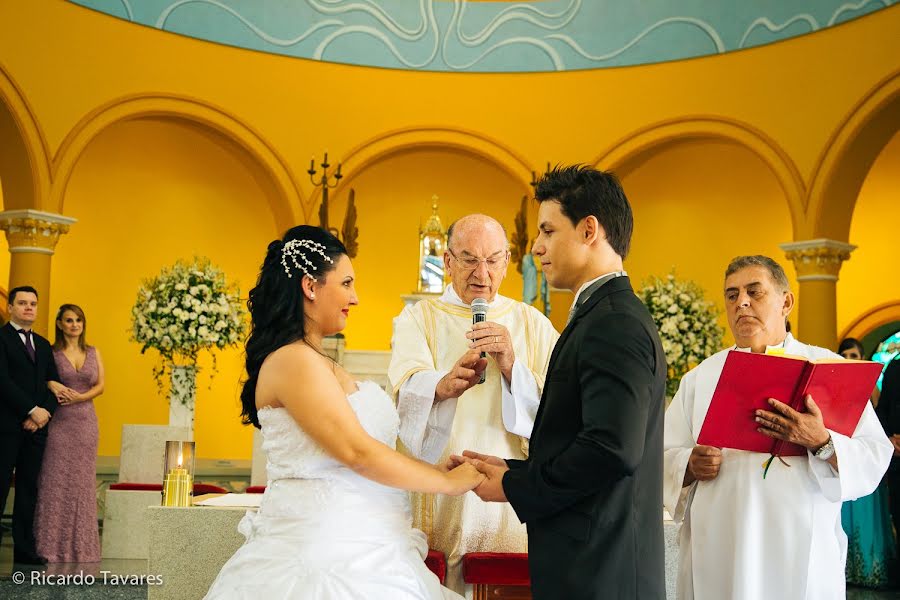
116 586
107 579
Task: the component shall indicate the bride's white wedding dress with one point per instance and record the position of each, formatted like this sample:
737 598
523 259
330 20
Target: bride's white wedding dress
324 532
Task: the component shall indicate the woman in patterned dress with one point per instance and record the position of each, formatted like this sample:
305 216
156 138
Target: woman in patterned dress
65 522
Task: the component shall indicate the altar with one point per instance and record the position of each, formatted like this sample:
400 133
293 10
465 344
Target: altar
189 546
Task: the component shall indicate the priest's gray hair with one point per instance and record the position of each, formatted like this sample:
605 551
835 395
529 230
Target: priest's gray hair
774 269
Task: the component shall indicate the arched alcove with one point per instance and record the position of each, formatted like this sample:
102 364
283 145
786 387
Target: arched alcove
698 203
869 278
148 191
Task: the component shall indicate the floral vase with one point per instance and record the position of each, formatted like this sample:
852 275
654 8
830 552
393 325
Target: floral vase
182 392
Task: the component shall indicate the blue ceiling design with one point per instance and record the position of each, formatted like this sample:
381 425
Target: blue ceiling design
457 35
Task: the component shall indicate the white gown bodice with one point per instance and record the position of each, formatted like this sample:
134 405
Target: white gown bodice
292 454
323 532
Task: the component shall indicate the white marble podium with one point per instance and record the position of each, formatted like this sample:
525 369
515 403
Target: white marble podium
188 547
125 529
143 449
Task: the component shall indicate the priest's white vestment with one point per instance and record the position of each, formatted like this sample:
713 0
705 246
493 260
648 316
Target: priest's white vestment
495 417
779 538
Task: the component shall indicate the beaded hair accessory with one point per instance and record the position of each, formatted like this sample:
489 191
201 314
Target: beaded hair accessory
294 249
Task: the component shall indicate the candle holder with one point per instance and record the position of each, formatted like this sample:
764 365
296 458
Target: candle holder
327 181
178 484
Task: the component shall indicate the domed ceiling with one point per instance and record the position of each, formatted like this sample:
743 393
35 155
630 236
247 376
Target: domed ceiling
499 36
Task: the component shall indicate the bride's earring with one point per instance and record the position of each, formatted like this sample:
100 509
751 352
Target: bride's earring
312 296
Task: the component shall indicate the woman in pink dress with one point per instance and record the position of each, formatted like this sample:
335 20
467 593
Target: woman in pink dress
65 521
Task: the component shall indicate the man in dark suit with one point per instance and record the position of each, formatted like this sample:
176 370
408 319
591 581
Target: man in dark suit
591 489
26 405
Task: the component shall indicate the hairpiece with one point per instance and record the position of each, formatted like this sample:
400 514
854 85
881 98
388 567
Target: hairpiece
294 250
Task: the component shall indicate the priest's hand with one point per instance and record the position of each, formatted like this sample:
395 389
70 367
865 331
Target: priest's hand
494 339
491 489
465 374
784 423
703 465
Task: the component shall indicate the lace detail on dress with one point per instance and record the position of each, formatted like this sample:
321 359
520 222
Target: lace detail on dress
292 454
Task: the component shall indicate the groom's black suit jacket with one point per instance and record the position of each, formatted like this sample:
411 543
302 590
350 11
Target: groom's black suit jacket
591 489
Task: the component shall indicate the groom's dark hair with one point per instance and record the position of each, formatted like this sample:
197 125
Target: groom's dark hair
583 191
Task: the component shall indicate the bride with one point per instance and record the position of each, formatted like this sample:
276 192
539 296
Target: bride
334 522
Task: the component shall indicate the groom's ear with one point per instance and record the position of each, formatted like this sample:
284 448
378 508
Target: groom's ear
590 230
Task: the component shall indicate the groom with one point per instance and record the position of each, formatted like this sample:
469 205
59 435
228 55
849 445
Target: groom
591 490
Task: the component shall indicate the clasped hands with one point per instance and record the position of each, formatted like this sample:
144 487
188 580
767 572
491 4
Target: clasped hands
38 419
491 468
64 395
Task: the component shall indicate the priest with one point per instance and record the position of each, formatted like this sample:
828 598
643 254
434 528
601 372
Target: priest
436 369
747 532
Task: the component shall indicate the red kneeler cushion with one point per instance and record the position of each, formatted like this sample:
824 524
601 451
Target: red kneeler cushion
255 489
136 487
199 488
496 568
437 564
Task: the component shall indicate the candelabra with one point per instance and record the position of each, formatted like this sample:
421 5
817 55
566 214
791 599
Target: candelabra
349 231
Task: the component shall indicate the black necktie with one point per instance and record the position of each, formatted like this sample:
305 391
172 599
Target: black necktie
29 346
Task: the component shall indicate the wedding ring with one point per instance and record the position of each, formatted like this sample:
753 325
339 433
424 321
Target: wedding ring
496 339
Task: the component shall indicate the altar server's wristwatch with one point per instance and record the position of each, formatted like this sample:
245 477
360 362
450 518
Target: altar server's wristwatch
826 451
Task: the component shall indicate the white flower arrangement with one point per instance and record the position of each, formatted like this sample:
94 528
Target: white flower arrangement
687 322
187 308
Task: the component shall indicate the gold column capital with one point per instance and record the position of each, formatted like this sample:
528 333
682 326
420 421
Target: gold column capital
33 231
817 260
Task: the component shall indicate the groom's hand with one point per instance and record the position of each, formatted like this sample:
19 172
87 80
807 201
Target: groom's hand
454 460
491 489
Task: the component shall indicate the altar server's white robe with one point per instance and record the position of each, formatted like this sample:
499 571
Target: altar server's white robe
748 538
495 417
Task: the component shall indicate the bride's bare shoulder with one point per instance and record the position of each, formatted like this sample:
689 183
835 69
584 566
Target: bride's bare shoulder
294 357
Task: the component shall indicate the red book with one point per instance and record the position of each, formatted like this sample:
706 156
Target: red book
841 389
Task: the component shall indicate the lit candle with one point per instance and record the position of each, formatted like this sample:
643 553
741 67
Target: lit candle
325 161
338 174
178 485
312 163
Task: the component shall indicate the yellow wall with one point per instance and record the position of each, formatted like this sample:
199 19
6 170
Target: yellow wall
870 278
699 204
149 191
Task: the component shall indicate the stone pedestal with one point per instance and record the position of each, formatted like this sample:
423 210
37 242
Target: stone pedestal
188 547
125 530
125 533
143 451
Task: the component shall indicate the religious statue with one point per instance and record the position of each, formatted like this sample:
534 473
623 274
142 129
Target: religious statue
432 243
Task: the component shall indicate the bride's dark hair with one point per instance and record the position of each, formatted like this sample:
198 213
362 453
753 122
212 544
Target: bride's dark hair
276 303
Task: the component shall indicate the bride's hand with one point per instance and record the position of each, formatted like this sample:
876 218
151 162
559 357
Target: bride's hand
463 478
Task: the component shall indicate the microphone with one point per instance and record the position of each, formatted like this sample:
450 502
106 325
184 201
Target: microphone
479 315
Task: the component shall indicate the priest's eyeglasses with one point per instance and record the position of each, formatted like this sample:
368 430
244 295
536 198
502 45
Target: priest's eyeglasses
494 262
